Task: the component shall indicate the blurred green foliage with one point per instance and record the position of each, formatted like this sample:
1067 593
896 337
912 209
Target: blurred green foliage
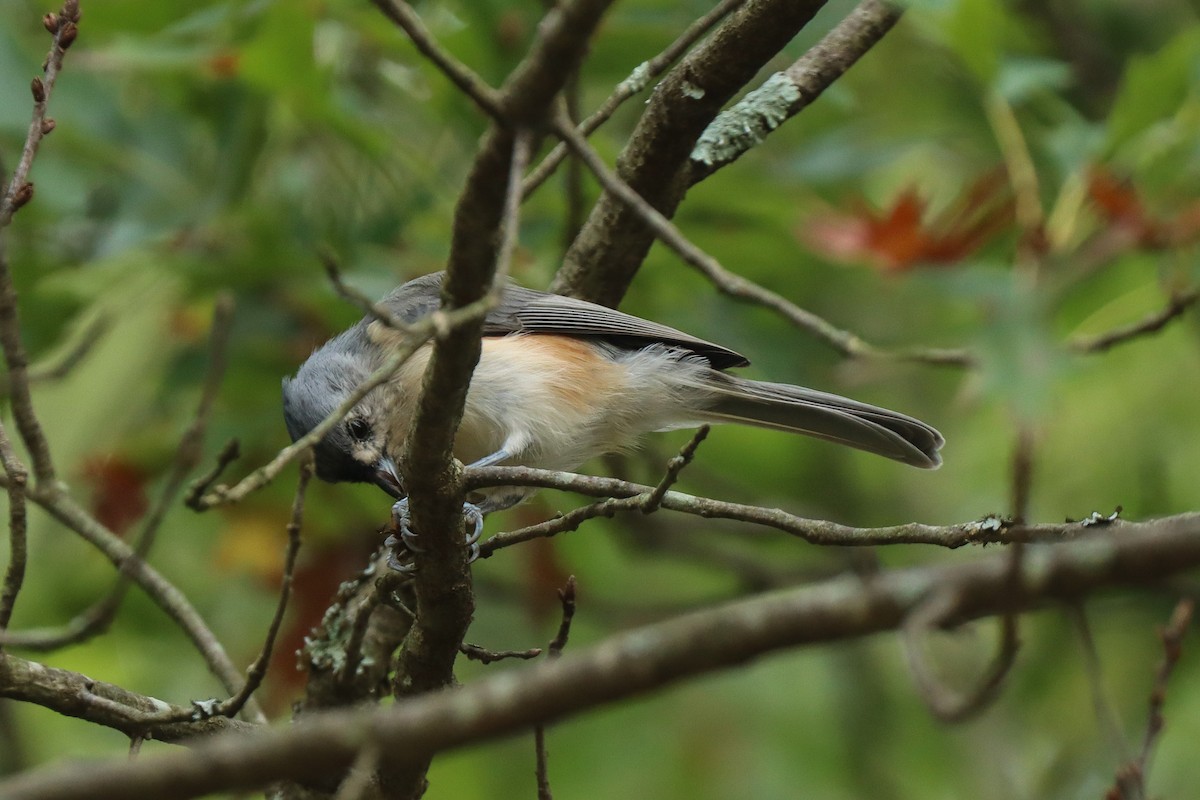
206 146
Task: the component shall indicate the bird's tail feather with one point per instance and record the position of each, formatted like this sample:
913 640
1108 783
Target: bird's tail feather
825 416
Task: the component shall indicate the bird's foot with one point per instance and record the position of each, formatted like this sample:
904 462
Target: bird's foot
407 543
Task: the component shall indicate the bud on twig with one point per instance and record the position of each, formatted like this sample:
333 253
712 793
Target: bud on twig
67 34
47 125
39 90
22 196
51 22
70 10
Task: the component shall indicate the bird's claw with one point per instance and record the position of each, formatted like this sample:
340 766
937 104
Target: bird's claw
407 542
395 548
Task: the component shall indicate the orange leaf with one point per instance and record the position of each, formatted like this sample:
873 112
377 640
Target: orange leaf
899 239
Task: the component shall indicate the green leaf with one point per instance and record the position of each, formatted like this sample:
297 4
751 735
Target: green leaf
1154 87
1021 77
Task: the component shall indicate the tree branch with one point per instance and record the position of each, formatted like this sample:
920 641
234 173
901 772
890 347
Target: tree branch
59 505
641 77
844 342
74 695
1179 303
631 664
787 93
484 232
459 74
14 574
17 192
989 530
96 619
615 239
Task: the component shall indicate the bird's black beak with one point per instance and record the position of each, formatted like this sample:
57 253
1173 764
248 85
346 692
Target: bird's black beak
388 478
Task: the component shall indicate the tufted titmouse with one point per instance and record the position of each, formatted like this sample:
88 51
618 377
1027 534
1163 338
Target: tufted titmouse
559 381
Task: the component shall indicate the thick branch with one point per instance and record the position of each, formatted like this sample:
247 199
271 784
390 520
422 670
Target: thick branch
74 695
614 241
631 664
787 93
484 229
637 82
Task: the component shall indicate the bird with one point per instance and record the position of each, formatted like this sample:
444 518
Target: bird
558 382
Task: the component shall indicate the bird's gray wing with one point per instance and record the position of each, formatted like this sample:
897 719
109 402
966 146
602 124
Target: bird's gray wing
524 310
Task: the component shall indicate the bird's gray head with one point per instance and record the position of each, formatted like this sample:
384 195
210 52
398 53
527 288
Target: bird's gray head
354 450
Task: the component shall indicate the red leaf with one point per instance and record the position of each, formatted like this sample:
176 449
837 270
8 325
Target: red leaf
118 491
225 65
1116 200
899 239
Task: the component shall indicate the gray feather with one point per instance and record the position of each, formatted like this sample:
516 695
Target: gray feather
329 375
524 310
825 416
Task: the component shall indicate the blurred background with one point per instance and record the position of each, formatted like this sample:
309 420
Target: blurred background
211 146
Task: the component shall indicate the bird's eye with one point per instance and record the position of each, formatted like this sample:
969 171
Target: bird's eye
359 428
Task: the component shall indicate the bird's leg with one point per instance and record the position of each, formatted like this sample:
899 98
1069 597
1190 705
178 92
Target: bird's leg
474 513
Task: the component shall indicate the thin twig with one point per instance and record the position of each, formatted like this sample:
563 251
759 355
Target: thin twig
647 502
96 619
675 466
62 363
1176 306
228 454
510 227
14 575
564 523
1022 472
487 98
485 656
566 597
1172 640
54 500
62 366
240 699
638 80
354 296
844 342
258 670
361 622
17 192
1106 713
944 703
420 333
1130 782
626 496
